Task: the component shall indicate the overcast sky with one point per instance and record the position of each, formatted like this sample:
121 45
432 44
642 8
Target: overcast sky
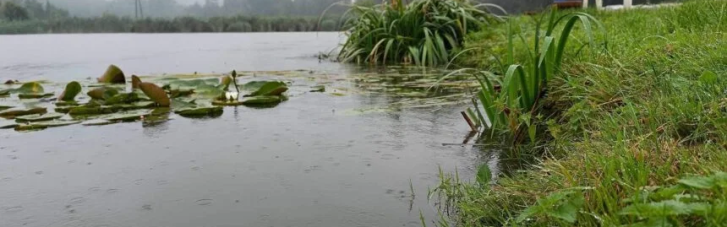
189 2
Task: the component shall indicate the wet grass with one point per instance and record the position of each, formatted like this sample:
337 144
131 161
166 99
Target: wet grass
627 132
423 32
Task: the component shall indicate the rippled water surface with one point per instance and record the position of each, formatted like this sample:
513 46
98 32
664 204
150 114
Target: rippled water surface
315 160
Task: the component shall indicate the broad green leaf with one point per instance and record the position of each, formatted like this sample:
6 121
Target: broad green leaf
155 93
72 90
272 88
14 112
113 75
38 117
102 93
29 88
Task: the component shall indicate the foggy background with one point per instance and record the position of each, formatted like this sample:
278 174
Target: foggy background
214 8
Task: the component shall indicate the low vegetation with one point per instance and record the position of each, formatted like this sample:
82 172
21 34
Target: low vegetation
423 32
631 130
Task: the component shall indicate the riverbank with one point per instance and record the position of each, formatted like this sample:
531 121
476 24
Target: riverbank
633 128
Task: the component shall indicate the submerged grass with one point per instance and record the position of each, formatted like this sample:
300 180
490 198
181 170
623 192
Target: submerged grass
632 136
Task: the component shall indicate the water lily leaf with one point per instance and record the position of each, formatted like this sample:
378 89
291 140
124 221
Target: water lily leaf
30 87
44 125
113 75
15 112
68 103
271 89
122 98
71 91
135 82
5 92
38 117
253 85
102 93
4 107
209 91
227 103
179 104
199 111
86 110
261 100
126 116
8 125
34 95
155 93
225 82
180 92
319 88
156 117
63 109
97 122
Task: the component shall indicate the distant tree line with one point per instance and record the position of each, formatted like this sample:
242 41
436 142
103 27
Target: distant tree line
29 16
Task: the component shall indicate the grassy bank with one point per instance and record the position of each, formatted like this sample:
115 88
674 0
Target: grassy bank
632 130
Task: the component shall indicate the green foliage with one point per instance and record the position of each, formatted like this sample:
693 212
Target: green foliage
641 125
13 12
561 205
423 32
512 102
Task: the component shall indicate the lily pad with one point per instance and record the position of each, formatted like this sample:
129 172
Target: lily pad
181 92
126 116
102 93
68 103
225 83
261 100
209 91
8 125
30 87
271 88
122 98
200 111
97 122
5 92
319 88
34 95
71 91
85 110
156 117
253 85
4 107
227 103
113 75
155 93
15 112
39 117
44 125
180 104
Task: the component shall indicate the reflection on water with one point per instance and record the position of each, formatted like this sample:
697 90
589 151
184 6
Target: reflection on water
319 159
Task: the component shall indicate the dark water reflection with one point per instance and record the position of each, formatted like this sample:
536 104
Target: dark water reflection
306 162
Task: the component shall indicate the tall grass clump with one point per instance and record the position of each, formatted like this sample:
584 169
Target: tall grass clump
635 135
423 32
510 102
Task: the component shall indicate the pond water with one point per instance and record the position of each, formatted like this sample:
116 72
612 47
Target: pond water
315 160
